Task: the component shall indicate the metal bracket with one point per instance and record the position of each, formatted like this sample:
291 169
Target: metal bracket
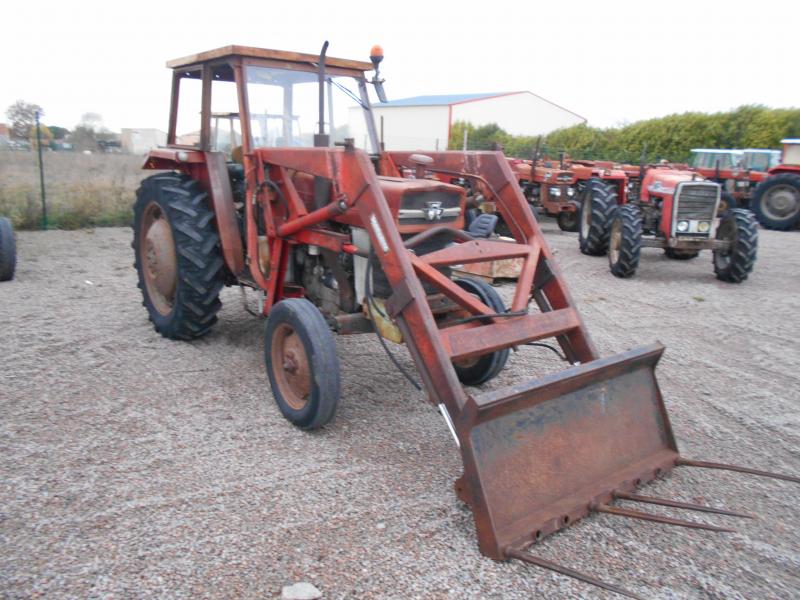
401 297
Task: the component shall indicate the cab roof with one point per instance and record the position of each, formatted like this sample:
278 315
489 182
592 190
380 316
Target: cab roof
717 151
250 52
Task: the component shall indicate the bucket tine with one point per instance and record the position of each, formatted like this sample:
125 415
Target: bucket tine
685 462
635 514
546 564
677 504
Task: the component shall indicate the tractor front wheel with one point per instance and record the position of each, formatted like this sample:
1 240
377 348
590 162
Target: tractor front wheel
625 241
8 250
177 256
597 210
726 203
736 262
568 220
776 201
483 368
302 366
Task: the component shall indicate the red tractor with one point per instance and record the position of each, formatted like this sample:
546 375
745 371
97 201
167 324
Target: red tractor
729 169
559 188
776 200
335 239
676 210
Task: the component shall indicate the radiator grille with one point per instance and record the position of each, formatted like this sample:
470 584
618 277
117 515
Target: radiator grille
696 202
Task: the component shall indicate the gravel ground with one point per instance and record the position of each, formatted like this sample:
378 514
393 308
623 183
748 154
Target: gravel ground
133 466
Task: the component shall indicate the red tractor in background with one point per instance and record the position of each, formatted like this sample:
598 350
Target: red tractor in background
560 188
673 209
731 170
776 200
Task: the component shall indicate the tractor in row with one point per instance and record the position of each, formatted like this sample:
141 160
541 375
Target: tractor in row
676 210
559 188
776 199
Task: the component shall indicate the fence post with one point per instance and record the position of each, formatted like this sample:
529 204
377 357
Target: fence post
465 139
41 171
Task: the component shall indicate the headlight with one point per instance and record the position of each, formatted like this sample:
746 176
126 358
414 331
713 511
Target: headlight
702 226
683 226
570 192
555 192
741 183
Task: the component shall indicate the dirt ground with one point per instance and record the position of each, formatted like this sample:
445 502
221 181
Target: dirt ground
134 466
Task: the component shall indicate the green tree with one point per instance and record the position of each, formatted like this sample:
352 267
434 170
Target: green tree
45 134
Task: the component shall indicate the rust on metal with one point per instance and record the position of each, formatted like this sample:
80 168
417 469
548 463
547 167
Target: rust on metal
546 564
685 462
684 505
635 514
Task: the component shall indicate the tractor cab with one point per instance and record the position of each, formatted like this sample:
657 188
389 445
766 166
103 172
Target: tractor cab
704 158
759 159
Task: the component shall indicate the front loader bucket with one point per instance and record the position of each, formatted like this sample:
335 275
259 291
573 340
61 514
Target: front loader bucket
541 455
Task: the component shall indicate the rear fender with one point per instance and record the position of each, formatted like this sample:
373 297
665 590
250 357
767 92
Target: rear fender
210 170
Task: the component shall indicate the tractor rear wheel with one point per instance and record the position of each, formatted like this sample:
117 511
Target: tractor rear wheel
568 220
479 370
177 256
735 263
776 201
8 250
625 241
597 210
302 366
680 254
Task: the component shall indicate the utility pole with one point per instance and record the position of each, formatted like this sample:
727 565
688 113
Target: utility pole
41 171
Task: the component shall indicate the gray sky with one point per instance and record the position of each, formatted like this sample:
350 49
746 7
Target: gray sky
609 62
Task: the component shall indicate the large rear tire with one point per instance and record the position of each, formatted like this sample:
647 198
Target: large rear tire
8 250
597 210
177 256
735 264
301 361
776 201
482 369
625 241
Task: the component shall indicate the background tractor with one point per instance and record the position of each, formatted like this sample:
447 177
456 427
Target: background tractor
340 238
776 200
676 210
558 189
737 173
8 250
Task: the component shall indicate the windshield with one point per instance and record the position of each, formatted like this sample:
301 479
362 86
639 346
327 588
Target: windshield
709 160
284 108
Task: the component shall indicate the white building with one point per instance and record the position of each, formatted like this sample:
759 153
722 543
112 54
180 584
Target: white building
141 141
424 122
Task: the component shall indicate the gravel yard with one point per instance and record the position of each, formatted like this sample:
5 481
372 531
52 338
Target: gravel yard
134 466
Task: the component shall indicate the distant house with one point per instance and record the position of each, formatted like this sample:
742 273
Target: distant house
424 122
142 140
5 136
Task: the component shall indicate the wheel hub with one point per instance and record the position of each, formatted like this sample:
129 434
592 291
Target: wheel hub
294 377
782 202
158 258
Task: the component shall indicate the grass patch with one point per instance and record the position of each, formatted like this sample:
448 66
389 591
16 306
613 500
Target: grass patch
698 298
94 190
